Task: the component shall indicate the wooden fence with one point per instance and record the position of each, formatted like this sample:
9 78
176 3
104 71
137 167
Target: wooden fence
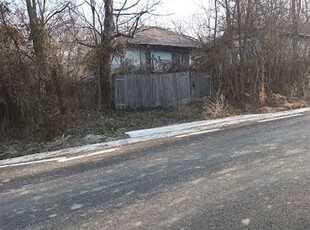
154 90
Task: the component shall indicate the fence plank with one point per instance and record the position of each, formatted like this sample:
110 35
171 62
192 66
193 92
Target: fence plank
153 90
200 85
120 89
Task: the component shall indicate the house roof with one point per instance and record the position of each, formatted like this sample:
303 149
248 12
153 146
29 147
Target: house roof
162 37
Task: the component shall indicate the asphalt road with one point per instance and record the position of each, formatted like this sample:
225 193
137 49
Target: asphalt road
255 176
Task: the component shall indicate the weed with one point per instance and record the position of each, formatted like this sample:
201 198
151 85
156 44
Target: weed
216 107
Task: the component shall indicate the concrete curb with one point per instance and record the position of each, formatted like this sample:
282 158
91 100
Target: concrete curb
210 124
153 134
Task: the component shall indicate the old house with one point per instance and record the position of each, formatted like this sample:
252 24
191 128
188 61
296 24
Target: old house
154 49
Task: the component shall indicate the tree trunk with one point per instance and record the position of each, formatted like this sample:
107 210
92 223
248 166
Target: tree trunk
106 79
106 55
38 38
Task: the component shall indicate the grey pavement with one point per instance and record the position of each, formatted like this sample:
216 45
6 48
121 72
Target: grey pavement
250 176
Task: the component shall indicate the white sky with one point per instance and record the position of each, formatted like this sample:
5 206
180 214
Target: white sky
178 11
181 12
174 10
181 9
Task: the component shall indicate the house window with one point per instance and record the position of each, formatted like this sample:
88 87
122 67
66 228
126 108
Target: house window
161 60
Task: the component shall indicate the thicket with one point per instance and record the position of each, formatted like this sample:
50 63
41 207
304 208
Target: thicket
55 60
257 48
38 77
48 52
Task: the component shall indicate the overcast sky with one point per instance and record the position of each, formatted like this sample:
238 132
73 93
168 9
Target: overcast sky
180 9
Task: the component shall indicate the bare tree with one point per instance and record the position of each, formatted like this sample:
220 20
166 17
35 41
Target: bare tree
264 48
108 22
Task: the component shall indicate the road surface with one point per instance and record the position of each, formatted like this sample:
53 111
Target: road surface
253 176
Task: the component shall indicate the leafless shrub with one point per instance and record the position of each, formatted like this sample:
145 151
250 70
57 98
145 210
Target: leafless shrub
306 87
216 107
294 90
257 55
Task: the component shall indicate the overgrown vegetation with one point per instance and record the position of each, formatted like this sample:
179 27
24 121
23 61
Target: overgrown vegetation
216 107
263 49
55 72
55 60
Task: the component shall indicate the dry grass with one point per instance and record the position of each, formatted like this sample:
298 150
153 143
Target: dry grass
216 107
111 125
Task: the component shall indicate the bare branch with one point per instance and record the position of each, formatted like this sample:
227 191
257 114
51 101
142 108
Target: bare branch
129 7
56 12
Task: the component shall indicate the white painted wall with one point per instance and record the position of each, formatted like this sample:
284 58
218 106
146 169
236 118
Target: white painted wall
136 57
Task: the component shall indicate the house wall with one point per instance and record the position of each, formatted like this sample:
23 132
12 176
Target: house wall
303 45
158 59
285 44
143 58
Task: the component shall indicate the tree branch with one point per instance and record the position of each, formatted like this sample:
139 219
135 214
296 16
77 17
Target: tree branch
56 12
